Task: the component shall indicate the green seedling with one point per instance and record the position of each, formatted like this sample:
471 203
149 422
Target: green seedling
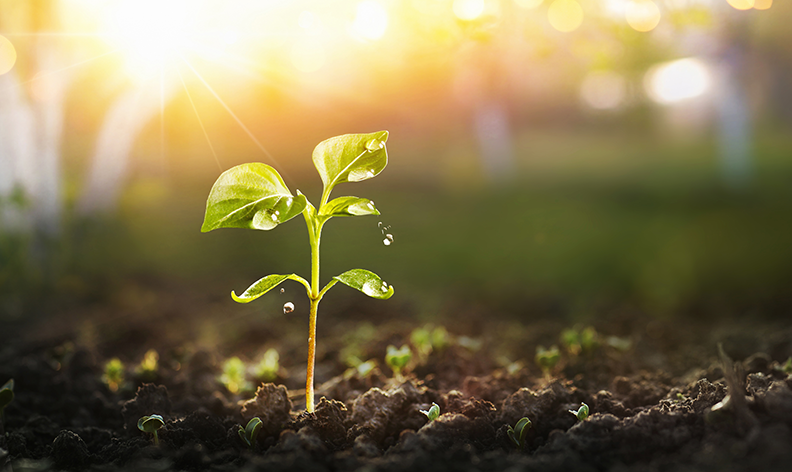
255 196
787 367
249 433
581 413
432 413
113 375
6 397
267 370
233 376
429 339
547 359
151 424
147 369
577 341
397 359
518 433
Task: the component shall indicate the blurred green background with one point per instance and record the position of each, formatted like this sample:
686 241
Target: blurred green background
535 170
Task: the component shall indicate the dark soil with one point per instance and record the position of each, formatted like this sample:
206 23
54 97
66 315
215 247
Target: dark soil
651 393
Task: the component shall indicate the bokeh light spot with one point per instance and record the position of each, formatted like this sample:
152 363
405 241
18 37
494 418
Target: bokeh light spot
468 9
678 80
8 55
742 4
307 20
371 20
308 56
565 15
603 90
763 4
642 15
528 3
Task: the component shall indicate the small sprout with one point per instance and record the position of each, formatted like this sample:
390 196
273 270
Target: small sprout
267 370
147 369
234 375
578 341
787 367
588 339
113 375
151 424
249 433
514 367
6 397
547 359
581 413
680 397
397 359
518 433
432 413
571 339
421 339
365 368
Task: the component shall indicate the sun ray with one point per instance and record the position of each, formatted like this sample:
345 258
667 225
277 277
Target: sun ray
200 121
233 115
57 71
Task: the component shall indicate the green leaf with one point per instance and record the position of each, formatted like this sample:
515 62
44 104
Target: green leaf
253 428
250 196
367 282
350 158
150 424
349 206
264 285
6 394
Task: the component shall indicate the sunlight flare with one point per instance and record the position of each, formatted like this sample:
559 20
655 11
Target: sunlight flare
642 15
565 15
371 20
8 55
678 80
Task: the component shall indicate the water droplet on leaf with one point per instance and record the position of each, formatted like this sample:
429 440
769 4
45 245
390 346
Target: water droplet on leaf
288 307
369 173
370 204
374 145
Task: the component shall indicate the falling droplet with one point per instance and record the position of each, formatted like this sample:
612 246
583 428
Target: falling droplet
288 307
387 242
379 225
283 290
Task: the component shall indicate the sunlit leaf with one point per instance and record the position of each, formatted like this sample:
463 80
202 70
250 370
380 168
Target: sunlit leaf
264 285
367 282
250 196
150 424
351 157
349 206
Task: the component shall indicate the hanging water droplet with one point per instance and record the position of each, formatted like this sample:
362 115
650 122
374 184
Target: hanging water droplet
374 145
370 205
288 307
384 286
283 290
369 173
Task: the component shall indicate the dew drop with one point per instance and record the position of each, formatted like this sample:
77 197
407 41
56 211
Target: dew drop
374 145
370 204
384 286
288 307
369 173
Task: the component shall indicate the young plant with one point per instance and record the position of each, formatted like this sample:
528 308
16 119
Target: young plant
147 369
151 424
432 413
249 433
254 196
233 376
6 397
518 433
547 359
397 359
113 375
581 413
267 370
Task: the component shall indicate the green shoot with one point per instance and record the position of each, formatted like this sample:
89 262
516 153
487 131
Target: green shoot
547 359
249 433
518 433
147 369
787 367
113 375
233 377
432 413
6 397
267 370
255 196
429 339
397 359
577 340
151 424
581 413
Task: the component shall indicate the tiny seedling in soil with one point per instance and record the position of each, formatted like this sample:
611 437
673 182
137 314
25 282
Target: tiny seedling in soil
6 397
429 339
578 341
233 376
113 375
249 433
147 369
581 413
397 359
518 433
151 424
255 196
267 370
432 413
547 359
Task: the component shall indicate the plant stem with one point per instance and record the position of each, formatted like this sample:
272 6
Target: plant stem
315 232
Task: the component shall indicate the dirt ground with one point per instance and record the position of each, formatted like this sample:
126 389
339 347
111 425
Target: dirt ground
661 397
